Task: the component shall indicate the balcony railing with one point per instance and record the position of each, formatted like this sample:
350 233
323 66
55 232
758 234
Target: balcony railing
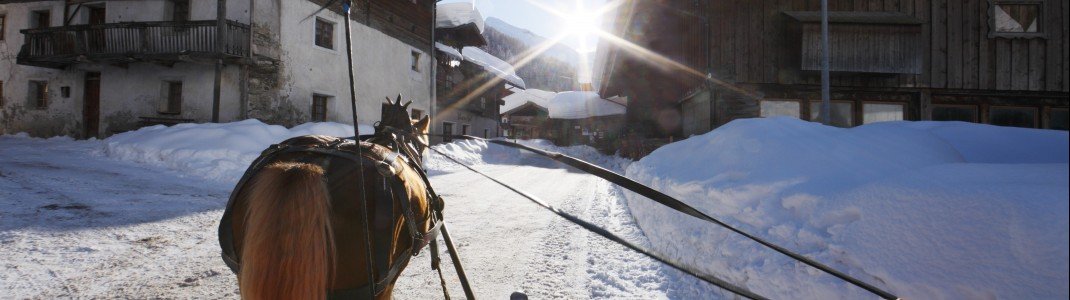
131 42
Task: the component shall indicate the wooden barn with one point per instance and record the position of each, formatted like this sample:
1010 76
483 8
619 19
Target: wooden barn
690 66
566 118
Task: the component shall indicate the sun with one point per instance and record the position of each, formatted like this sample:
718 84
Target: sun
580 24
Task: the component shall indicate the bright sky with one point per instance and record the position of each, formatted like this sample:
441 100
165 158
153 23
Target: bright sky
527 14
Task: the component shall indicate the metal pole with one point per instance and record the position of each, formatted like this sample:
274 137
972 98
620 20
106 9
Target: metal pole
347 5
826 105
431 110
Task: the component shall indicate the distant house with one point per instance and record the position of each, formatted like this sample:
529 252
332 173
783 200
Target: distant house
710 62
93 68
469 83
566 118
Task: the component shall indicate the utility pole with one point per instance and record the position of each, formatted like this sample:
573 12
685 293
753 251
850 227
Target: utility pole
826 105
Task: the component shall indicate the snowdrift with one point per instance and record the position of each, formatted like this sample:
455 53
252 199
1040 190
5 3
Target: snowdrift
216 151
927 210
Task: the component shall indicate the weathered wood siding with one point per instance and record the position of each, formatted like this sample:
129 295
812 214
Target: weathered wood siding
753 42
407 21
897 48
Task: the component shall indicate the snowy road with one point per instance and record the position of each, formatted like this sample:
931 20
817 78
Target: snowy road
75 224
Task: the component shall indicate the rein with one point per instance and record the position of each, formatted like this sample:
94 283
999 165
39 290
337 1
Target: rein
662 199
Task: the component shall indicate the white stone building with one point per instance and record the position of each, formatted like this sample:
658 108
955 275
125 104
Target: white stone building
95 68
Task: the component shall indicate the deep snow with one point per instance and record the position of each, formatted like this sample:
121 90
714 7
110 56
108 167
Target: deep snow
923 209
931 210
78 225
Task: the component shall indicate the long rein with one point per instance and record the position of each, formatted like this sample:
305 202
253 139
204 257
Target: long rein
657 196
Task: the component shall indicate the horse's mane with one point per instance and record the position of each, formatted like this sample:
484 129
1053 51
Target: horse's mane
283 227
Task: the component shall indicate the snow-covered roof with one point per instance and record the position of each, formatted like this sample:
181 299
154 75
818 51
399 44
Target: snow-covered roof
493 65
449 15
449 51
565 105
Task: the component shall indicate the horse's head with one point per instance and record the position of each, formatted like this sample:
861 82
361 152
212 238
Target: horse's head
396 115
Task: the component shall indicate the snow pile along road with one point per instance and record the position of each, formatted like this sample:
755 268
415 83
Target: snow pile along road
217 151
930 210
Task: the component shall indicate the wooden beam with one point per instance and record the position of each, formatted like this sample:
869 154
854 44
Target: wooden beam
221 25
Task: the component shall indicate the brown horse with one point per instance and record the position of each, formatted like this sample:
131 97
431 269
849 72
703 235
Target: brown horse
301 225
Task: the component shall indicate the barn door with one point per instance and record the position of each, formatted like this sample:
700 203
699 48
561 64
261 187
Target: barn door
91 108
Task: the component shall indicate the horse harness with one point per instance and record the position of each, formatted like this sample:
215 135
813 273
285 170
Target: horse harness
390 167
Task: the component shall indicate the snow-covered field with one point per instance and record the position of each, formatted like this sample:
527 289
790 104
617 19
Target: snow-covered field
923 209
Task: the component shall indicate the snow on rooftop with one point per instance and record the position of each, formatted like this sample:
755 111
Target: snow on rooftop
493 64
452 52
926 210
565 105
449 15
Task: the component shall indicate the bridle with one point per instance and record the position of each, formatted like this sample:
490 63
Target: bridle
403 146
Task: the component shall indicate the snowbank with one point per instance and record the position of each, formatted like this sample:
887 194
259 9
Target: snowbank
565 105
928 210
217 151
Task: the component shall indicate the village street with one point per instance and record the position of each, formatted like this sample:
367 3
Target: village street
76 224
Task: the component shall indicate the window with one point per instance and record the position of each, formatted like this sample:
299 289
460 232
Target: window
38 93
324 33
41 19
964 113
180 10
1013 116
882 112
486 133
464 129
1058 119
171 93
842 113
1 93
416 61
319 108
447 131
3 21
417 114
772 108
65 91
1016 18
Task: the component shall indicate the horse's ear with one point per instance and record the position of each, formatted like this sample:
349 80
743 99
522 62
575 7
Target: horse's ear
406 106
423 124
388 101
398 101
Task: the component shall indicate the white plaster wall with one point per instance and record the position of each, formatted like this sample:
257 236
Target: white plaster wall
160 10
125 93
137 91
382 65
64 114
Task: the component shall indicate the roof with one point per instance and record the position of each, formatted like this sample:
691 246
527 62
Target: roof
523 106
450 15
493 65
856 17
564 105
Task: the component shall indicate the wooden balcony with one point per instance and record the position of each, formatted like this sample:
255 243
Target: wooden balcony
128 42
